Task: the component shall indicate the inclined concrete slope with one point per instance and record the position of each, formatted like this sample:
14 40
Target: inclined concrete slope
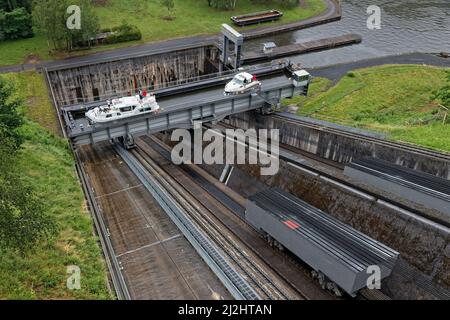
421 272
341 148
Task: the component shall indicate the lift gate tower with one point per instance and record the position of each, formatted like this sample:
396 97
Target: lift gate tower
231 36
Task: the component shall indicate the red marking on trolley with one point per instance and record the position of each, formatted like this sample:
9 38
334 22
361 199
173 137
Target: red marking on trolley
292 224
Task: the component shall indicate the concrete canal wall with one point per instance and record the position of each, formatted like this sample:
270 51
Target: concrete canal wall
302 48
339 148
87 83
423 271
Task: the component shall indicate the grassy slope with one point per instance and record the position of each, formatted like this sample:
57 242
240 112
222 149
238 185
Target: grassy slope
46 164
390 99
34 92
193 17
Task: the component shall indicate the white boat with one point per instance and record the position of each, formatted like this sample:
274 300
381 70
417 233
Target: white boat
242 83
125 107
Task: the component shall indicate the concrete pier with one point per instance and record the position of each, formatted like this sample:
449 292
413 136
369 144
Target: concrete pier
301 48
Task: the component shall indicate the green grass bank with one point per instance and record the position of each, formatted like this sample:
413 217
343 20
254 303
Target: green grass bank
46 164
192 17
393 99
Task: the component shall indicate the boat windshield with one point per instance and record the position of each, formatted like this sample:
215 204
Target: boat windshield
239 80
104 109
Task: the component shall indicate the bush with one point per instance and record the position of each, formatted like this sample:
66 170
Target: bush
23 217
123 33
16 24
10 5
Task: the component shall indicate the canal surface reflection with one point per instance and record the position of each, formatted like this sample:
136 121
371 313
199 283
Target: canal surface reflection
406 26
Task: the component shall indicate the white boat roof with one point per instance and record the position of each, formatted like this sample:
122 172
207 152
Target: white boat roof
244 75
302 73
126 100
131 101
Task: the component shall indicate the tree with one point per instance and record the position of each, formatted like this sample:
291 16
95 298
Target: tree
16 24
48 18
23 221
10 117
11 5
51 16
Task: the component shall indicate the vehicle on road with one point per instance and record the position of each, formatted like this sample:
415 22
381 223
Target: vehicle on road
243 83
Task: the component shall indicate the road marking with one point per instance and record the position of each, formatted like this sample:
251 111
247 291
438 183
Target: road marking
149 245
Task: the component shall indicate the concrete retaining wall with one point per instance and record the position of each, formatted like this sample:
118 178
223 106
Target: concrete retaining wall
423 271
340 148
100 81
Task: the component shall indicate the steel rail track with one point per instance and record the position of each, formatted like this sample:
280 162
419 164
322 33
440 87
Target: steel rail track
365 294
372 196
287 147
397 145
236 285
164 148
114 267
261 280
215 233
357 189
